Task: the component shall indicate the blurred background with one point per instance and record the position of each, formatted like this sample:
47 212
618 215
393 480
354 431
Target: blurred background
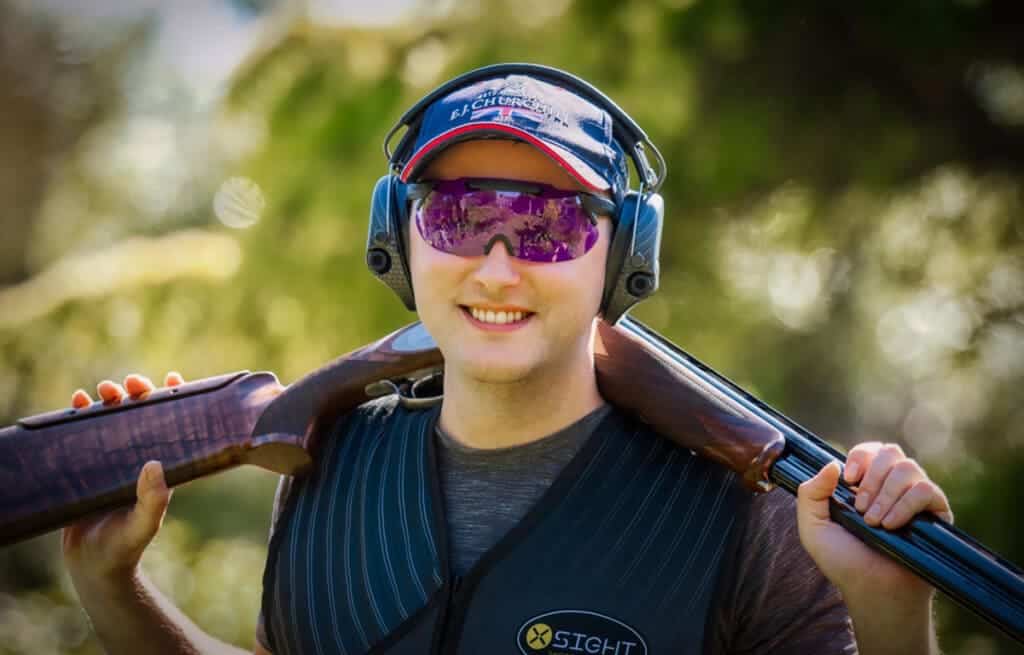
184 185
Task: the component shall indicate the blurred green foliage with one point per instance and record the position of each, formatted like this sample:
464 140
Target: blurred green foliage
844 232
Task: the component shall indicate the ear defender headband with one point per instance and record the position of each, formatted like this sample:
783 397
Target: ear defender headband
631 272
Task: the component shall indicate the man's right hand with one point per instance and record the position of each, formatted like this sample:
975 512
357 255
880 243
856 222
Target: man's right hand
102 553
106 549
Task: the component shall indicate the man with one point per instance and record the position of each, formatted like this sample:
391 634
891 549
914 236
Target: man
525 514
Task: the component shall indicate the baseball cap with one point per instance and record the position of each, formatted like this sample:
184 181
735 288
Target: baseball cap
570 129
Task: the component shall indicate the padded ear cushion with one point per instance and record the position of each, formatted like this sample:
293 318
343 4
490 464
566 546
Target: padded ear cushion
385 243
620 246
378 260
632 272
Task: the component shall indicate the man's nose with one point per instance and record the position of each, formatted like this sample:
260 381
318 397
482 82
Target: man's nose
498 268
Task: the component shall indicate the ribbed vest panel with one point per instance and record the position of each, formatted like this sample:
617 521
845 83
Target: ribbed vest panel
355 554
620 556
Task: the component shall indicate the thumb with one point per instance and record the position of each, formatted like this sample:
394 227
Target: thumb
812 496
153 495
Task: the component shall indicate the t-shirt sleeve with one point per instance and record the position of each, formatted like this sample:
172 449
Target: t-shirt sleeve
773 598
280 497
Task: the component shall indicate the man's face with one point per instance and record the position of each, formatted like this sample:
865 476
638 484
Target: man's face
562 297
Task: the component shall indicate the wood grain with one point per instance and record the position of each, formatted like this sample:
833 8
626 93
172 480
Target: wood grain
58 467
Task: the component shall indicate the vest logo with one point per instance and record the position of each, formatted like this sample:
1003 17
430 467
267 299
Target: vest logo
566 632
538 636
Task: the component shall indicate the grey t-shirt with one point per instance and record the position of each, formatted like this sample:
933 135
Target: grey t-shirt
487 491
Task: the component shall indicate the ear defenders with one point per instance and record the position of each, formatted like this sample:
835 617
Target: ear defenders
631 271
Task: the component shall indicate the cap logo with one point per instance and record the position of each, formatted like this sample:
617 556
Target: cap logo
506 105
505 114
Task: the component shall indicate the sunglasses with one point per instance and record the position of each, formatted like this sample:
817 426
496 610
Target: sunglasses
537 222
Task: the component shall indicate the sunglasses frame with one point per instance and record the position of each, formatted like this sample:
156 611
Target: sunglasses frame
592 203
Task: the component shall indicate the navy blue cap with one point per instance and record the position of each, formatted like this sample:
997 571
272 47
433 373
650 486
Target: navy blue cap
571 130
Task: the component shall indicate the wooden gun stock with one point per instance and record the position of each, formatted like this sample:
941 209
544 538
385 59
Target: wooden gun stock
58 467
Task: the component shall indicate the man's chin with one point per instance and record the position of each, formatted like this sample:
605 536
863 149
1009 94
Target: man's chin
499 371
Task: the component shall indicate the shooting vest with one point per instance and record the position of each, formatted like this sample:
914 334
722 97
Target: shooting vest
619 557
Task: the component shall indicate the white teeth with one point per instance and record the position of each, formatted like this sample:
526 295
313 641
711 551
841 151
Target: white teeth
499 318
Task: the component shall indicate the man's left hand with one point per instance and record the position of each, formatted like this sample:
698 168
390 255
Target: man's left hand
891 490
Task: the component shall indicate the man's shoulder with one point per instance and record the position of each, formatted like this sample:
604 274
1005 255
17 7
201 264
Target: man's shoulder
666 461
371 415
639 431
358 426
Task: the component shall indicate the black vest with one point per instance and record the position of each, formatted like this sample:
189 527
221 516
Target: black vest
619 557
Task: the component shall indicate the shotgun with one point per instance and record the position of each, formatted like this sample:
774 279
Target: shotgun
58 467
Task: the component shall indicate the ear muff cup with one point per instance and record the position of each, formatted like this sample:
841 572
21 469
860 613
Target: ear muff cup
632 271
386 249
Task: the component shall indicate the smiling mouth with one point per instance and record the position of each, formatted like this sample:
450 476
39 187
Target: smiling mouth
501 317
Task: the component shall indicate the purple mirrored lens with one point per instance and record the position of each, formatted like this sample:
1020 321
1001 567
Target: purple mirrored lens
548 226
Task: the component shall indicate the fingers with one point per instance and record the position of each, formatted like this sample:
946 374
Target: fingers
812 496
136 385
859 459
923 495
112 393
879 459
892 487
902 475
80 399
153 495
109 392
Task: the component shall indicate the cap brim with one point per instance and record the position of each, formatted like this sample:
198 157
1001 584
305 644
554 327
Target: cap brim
572 164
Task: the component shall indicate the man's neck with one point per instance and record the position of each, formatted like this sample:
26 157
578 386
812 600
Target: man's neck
498 415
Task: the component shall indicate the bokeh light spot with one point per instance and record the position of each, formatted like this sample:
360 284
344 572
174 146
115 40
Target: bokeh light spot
239 202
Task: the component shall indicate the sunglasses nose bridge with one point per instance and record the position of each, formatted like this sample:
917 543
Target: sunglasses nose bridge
497 268
499 238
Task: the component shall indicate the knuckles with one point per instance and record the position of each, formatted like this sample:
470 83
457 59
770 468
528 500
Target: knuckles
923 489
907 468
865 449
892 450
